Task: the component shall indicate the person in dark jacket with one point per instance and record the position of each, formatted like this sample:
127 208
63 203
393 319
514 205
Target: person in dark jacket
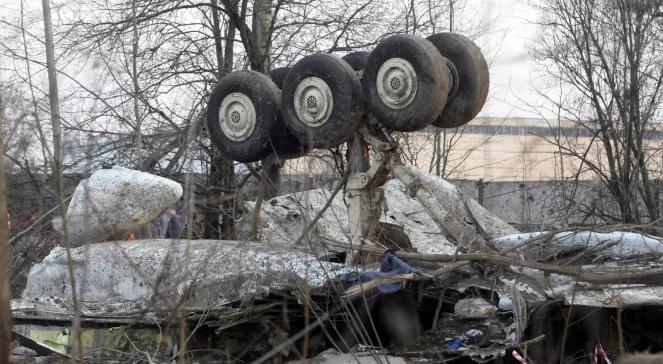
174 229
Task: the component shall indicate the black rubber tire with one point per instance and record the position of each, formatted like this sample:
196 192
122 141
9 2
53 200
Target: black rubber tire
348 107
278 75
265 97
473 79
357 60
287 146
433 82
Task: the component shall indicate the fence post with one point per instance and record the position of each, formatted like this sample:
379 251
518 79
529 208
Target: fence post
482 187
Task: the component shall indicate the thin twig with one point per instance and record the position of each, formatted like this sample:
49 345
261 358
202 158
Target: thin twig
583 274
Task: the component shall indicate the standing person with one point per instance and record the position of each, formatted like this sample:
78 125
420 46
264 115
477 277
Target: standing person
174 229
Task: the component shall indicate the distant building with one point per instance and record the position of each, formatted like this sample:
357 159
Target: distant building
500 149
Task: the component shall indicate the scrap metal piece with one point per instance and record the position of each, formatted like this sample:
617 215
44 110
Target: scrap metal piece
154 274
473 308
519 313
39 348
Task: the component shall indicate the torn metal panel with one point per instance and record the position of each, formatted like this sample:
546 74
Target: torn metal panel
586 294
489 223
615 245
98 343
40 347
616 296
284 218
408 212
116 201
124 276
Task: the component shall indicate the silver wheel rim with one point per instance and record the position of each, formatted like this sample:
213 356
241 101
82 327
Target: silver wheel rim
313 101
397 83
237 116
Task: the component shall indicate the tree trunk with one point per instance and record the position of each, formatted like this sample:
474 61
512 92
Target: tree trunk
228 60
5 291
271 168
221 179
136 91
57 166
262 19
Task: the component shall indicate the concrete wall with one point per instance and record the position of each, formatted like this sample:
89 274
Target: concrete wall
540 205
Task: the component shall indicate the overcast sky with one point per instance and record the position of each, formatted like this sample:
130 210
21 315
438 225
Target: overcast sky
513 32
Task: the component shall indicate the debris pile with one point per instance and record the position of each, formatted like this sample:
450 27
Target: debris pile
460 286
286 217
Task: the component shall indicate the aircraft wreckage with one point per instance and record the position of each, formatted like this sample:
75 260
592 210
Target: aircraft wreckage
400 267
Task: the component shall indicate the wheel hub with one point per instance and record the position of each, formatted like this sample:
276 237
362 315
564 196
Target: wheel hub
397 83
455 80
237 116
313 101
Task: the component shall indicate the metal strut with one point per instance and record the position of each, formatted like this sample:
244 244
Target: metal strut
362 192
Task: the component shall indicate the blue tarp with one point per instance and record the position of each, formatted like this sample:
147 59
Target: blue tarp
391 265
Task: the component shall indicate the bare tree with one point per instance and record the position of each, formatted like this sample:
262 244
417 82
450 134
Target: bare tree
606 56
57 165
221 180
5 291
154 65
136 86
